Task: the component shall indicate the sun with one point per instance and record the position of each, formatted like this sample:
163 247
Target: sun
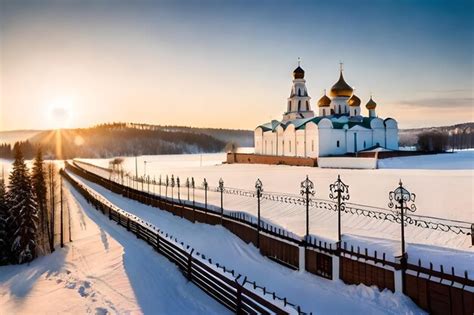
60 113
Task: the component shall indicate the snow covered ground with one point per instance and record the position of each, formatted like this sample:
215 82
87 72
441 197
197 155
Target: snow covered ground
312 293
104 270
440 193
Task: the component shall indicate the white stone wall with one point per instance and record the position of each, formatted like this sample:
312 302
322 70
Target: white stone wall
258 138
300 143
363 136
312 140
391 133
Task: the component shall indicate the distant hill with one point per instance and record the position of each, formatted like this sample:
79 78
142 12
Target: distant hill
11 137
409 137
124 139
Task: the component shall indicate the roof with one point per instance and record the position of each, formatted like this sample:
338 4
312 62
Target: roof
339 121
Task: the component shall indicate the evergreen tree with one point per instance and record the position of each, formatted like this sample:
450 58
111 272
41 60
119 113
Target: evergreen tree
39 187
23 217
4 234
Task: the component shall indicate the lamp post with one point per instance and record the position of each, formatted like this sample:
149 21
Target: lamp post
172 186
339 192
307 189
402 200
221 189
206 185
194 208
187 186
259 189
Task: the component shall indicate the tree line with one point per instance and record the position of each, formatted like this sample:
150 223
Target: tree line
27 206
115 139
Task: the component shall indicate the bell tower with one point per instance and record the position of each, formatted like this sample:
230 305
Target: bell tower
298 103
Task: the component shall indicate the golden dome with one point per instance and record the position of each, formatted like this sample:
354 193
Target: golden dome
324 101
371 104
298 73
341 88
354 100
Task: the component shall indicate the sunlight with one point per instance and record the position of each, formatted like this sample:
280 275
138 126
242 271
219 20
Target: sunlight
60 113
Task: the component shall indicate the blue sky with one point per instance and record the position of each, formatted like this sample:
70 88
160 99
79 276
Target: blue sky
229 63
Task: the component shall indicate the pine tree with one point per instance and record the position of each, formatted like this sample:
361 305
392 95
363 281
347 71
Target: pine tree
4 234
39 187
23 217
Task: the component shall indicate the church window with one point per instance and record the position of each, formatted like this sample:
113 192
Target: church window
289 106
307 105
324 112
364 144
337 143
290 145
299 92
312 145
299 105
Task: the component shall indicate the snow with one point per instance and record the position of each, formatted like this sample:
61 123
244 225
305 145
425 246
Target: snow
312 293
458 160
440 193
104 270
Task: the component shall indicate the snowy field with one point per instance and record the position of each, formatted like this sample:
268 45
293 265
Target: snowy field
105 270
440 192
310 292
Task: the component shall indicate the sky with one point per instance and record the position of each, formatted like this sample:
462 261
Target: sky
228 64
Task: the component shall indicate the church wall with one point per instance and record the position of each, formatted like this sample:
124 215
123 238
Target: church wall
362 135
300 143
329 140
391 133
258 140
312 140
281 140
290 143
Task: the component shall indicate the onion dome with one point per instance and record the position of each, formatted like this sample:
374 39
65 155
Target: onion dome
371 104
354 100
324 101
298 73
341 88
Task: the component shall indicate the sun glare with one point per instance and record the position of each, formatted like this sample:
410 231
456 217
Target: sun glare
60 113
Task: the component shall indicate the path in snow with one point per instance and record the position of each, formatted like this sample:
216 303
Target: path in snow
312 293
104 270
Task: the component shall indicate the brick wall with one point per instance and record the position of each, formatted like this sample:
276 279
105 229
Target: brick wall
245 158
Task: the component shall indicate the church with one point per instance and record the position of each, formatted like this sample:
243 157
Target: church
338 128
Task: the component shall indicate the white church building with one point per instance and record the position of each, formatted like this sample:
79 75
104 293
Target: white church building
338 128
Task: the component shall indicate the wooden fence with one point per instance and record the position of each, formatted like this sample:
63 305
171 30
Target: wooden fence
353 265
233 291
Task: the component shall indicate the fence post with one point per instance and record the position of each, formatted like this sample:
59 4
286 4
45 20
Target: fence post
190 264
259 188
157 241
172 187
239 296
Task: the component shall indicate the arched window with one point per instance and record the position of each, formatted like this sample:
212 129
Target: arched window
312 145
299 105
307 105
299 92
289 106
290 146
337 143
324 112
364 144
